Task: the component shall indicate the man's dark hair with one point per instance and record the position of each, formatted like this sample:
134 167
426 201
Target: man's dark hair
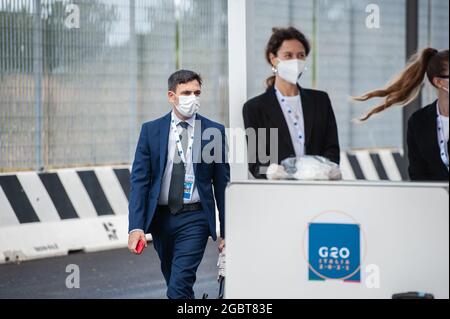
182 77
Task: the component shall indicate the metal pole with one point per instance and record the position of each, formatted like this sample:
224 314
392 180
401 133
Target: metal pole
412 45
291 13
133 80
38 73
240 50
352 59
178 36
315 42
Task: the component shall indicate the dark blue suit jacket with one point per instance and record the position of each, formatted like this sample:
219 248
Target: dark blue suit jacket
149 165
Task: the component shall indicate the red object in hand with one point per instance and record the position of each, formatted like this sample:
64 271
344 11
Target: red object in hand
140 246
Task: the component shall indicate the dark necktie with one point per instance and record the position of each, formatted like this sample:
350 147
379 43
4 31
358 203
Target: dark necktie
176 188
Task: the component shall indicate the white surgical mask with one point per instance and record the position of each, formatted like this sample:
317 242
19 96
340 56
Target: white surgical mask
188 105
290 70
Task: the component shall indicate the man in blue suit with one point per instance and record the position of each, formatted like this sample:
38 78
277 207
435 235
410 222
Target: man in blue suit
179 174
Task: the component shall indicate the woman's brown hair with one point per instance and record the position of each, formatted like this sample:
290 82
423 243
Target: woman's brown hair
406 86
279 35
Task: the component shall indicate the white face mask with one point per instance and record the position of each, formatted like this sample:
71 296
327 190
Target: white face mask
188 105
290 70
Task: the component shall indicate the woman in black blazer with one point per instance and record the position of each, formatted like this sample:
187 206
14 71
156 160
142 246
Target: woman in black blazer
304 118
425 155
427 128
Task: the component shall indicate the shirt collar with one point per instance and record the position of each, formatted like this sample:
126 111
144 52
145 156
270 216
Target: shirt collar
282 99
439 111
178 120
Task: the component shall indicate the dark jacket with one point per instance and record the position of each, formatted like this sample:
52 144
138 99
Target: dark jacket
425 163
321 135
149 165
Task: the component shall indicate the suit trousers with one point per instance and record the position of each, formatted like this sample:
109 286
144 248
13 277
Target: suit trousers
180 241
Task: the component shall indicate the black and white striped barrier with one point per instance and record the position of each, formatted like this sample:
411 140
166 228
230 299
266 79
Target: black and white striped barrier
374 165
54 213
51 214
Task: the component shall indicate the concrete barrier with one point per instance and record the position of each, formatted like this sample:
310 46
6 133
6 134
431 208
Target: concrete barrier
56 212
374 165
53 213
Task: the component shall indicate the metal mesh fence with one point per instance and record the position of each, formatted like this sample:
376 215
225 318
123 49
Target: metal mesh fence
77 78
75 95
204 47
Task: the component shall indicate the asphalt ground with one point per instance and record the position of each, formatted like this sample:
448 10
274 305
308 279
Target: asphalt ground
116 274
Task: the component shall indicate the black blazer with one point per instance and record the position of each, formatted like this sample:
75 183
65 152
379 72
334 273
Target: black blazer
425 163
321 135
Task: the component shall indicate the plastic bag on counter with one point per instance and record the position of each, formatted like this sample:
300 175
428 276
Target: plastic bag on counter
306 168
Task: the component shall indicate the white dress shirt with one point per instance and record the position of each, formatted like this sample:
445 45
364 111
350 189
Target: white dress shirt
171 146
443 123
293 113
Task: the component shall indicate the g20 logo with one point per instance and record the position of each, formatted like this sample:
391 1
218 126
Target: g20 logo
334 252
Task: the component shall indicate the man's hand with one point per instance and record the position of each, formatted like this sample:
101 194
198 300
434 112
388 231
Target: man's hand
133 239
221 244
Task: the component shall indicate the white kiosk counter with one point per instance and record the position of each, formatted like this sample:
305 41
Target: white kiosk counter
292 239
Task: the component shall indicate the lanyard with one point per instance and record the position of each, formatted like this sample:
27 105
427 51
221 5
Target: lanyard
294 120
178 143
441 140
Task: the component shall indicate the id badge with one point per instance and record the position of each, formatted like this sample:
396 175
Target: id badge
188 187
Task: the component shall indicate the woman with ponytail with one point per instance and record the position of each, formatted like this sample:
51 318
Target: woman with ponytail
428 128
304 118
